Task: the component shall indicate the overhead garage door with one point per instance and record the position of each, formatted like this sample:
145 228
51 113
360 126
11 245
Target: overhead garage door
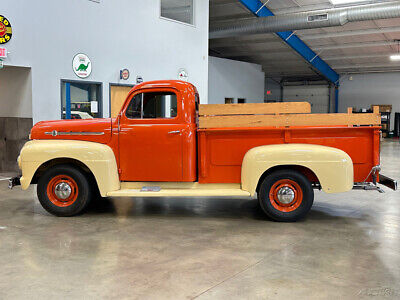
317 95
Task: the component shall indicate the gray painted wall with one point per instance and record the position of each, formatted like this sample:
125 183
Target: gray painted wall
234 79
14 134
114 34
367 89
275 89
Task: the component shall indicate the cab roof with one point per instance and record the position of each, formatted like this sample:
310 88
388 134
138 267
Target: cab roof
177 84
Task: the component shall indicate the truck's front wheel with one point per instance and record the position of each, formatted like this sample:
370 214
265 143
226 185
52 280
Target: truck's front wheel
286 195
63 191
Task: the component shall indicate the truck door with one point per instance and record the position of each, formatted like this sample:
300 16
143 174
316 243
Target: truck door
150 137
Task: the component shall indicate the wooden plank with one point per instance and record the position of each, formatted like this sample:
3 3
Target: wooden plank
255 108
341 119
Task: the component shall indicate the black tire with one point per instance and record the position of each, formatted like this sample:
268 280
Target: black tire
83 191
295 211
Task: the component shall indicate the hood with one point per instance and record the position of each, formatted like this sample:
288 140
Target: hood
92 130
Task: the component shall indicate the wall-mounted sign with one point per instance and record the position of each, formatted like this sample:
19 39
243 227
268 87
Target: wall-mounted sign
139 79
3 52
94 107
183 75
82 65
5 30
124 74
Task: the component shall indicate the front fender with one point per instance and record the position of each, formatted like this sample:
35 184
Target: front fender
97 157
333 167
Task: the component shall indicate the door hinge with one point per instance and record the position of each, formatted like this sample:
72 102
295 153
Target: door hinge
119 171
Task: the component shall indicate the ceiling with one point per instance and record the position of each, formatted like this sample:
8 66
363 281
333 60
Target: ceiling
358 47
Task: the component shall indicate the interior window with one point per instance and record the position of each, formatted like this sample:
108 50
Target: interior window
178 10
153 106
81 100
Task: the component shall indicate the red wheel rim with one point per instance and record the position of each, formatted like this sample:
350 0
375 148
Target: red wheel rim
62 181
285 184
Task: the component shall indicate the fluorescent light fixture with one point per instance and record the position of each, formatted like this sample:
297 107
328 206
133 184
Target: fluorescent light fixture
339 2
395 57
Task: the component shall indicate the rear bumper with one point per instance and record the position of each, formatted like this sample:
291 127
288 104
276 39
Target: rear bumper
388 182
14 182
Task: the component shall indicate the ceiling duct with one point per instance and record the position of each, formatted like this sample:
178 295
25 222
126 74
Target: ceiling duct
308 20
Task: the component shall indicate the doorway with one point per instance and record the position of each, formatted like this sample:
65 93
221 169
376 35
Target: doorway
15 114
118 94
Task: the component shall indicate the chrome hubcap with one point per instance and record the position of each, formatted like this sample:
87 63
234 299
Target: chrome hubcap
285 195
63 190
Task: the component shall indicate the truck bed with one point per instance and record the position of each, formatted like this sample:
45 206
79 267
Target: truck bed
221 149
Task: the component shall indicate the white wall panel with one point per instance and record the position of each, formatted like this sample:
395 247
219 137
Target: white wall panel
114 34
234 79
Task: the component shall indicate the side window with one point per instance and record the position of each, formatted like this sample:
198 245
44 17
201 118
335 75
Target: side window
153 106
134 110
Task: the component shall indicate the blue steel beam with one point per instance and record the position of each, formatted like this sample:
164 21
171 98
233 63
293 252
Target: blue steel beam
260 10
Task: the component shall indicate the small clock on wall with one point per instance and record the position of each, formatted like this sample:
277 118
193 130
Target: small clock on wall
183 75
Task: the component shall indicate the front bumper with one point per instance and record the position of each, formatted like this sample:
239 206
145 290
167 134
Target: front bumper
388 182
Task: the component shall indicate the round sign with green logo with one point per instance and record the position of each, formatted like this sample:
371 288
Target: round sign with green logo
82 65
5 30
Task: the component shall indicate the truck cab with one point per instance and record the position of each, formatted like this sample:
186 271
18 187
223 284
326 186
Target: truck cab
157 133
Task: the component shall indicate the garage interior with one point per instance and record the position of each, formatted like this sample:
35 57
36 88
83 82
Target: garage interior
348 246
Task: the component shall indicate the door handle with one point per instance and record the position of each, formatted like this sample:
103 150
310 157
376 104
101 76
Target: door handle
174 132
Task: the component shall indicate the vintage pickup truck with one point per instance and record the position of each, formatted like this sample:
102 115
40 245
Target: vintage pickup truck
164 143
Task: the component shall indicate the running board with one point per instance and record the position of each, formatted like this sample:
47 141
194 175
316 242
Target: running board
168 192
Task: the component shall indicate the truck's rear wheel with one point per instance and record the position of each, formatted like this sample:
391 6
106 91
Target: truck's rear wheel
286 195
64 191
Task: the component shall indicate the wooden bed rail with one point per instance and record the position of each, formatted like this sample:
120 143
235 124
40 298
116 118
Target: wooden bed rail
255 108
281 114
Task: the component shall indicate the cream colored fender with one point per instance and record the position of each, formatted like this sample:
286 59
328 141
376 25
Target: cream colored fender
97 157
333 167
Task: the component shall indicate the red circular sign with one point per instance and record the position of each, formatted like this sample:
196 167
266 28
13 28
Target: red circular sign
3 29
125 74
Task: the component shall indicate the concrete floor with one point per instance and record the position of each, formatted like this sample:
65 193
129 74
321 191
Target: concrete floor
348 247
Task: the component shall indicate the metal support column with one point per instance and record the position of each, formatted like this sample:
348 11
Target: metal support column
336 98
67 100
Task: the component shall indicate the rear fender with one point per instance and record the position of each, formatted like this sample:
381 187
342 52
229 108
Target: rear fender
98 158
333 167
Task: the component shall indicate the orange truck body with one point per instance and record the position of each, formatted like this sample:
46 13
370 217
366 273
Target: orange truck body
222 150
175 150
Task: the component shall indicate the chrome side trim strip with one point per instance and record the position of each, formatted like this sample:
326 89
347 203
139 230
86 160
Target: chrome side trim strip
56 133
